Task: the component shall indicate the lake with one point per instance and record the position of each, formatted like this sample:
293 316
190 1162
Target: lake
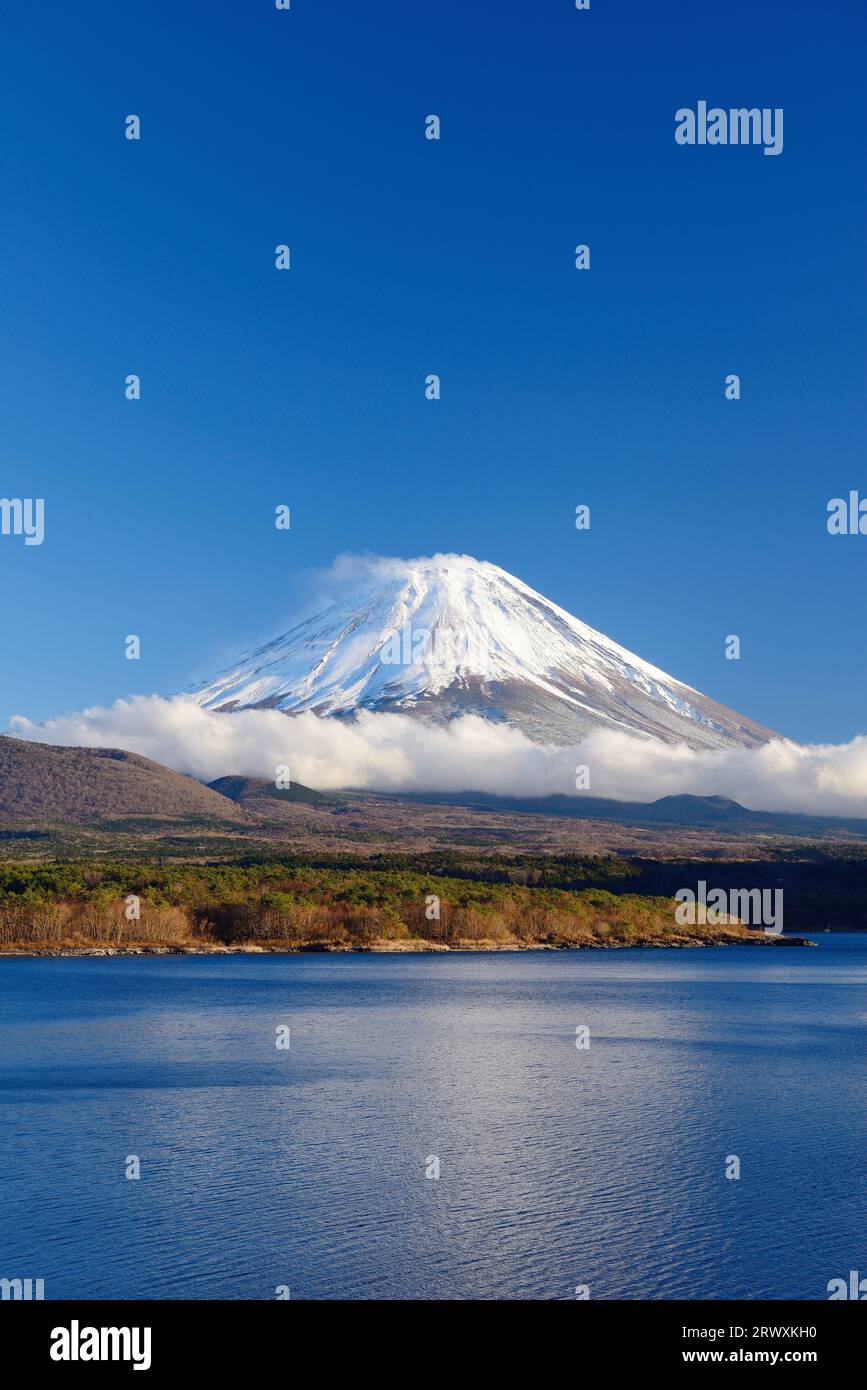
305 1167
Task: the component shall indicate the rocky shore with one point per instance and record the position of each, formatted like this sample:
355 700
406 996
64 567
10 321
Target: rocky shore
413 947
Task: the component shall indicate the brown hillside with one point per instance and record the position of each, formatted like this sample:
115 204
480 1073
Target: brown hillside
89 785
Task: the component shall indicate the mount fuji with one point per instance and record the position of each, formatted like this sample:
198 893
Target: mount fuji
448 636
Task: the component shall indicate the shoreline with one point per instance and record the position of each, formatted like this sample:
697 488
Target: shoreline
393 948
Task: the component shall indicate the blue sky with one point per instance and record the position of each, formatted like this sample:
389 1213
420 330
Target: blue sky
409 257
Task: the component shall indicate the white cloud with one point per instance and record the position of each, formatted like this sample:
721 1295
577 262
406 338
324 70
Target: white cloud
392 752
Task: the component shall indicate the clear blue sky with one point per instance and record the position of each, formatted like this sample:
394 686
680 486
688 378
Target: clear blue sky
410 257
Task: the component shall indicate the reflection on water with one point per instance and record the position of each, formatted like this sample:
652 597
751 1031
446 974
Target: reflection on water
558 1166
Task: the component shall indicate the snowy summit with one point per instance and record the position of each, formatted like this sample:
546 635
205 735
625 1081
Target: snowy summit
438 638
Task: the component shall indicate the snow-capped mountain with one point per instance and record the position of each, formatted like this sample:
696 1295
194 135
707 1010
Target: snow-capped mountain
441 637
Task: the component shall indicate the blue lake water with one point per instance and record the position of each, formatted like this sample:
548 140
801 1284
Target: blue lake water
306 1167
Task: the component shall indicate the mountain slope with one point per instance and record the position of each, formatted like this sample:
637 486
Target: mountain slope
712 813
451 635
86 786
247 790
